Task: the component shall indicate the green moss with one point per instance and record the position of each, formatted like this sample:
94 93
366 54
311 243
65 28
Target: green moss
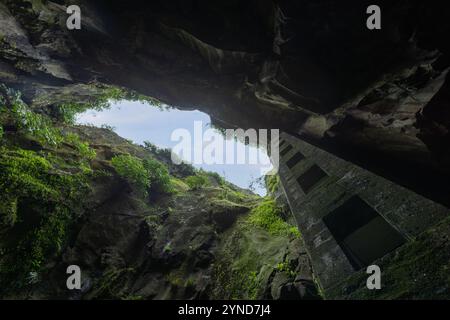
238 278
39 201
179 185
252 284
267 215
177 279
272 183
24 172
45 240
233 195
245 261
319 288
41 191
286 267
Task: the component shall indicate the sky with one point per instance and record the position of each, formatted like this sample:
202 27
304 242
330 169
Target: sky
141 122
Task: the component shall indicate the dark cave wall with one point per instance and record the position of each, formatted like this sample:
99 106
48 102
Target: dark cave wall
310 68
378 99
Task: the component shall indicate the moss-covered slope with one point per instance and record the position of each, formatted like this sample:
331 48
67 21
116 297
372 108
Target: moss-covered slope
137 225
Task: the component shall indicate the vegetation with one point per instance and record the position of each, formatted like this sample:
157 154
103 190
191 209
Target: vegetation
272 183
132 169
179 186
267 215
196 182
159 176
82 147
66 112
41 191
111 283
146 175
38 126
287 268
42 187
217 177
39 201
45 169
166 153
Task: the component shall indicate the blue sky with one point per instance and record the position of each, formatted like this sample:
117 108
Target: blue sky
141 122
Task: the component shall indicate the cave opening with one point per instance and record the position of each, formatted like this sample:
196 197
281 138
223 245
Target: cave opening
141 122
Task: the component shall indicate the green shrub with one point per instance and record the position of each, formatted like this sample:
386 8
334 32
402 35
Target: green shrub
159 176
163 153
196 182
146 175
132 169
67 113
267 215
83 148
181 170
37 125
